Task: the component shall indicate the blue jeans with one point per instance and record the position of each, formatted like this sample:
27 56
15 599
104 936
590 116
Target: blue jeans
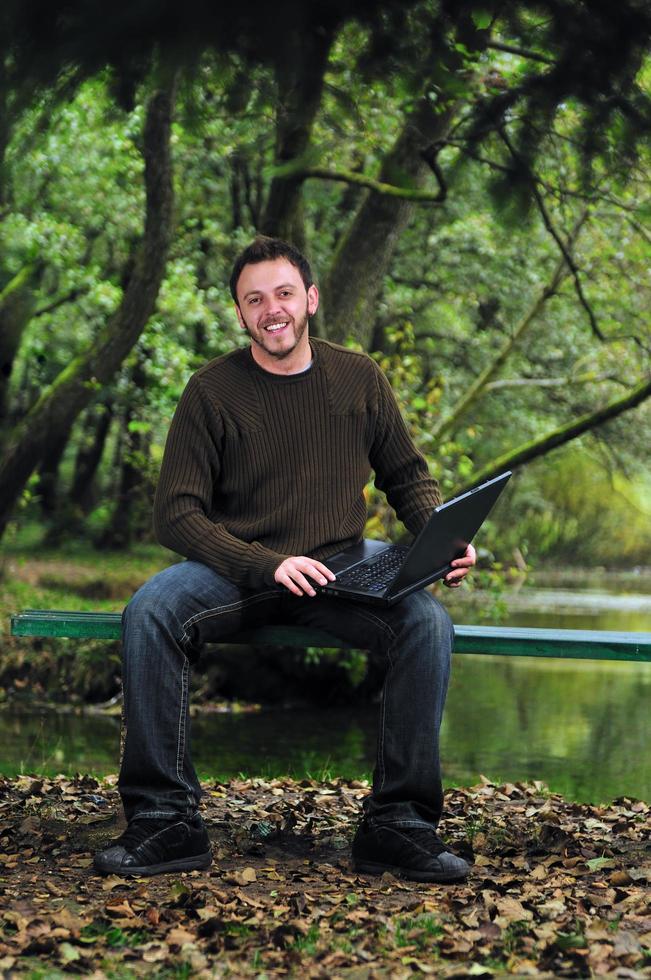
177 611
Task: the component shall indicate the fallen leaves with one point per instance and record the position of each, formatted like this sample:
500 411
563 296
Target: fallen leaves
557 888
244 877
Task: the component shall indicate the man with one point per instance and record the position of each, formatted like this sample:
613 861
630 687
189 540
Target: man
262 480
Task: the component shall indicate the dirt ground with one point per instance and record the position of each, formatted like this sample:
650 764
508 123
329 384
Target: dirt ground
557 889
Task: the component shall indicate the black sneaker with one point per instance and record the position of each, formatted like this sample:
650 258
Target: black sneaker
416 853
151 847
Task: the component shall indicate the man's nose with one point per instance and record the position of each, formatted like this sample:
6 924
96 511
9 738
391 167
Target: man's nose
270 306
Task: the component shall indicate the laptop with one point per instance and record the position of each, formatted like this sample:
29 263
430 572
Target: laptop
381 574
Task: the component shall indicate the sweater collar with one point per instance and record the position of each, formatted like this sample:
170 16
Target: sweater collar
272 378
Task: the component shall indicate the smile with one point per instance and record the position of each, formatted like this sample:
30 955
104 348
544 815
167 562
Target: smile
275 327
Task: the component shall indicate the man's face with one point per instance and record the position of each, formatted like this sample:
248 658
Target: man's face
273 307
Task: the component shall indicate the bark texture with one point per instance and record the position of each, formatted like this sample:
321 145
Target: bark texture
16 308
300 70
89 455
363 256
134 498
47 487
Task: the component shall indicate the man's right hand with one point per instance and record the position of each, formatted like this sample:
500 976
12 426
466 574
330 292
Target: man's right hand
295 573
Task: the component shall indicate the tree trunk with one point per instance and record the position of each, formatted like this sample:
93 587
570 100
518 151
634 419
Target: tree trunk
89 455
48 476
300 69
364 254
529 451
237 166
5 129
133 497
61 403
16 308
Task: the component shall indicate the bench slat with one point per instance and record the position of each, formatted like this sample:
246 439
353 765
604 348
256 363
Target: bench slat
501 640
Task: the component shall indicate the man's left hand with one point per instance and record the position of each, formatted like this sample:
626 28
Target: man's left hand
460 568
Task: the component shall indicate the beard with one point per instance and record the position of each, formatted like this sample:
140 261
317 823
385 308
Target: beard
290 339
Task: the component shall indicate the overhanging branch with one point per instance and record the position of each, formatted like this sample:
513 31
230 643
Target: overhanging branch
549 225
560 436
377 186
61 301
478 386
580 379
521 52
639 228
21 279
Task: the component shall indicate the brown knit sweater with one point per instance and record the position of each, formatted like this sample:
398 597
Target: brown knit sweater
259 466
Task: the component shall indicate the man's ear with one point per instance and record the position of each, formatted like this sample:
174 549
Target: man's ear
312 300
239 316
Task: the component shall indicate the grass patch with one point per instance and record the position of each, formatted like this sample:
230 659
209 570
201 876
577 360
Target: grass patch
421 931
307 944
112 935
74 576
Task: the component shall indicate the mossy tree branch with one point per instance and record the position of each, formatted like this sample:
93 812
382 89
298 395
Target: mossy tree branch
16 309
563 434
587 378
377 186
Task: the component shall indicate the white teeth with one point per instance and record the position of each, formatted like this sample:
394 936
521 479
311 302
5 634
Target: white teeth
276 326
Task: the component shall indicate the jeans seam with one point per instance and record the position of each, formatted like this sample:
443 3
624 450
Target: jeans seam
381 765
220 610
180 742
206 614
378 622
369 617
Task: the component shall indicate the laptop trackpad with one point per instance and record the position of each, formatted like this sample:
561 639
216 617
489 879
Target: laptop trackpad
356 553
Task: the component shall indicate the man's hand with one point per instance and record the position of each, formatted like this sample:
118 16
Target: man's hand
460 568
293 571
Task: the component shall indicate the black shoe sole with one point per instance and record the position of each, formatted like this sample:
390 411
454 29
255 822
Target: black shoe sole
441 878
197 863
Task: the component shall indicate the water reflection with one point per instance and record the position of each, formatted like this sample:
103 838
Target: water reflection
578 609
579 726
613 607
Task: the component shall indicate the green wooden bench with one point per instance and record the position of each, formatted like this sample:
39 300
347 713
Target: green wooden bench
502 640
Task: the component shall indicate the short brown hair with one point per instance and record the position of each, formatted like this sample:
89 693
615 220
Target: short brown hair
266 249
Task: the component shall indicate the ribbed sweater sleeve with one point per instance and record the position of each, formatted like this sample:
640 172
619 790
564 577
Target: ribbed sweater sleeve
185 497
401 471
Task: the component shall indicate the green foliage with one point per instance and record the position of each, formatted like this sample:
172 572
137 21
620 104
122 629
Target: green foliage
462 277
573 510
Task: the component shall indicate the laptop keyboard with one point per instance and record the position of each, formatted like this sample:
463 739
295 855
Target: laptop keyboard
375 574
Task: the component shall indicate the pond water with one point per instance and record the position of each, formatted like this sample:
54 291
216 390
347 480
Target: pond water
582 727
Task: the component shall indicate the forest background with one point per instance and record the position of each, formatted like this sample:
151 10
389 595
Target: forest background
470 181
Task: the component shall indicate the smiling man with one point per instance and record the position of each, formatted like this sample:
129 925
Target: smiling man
273 306
262 481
